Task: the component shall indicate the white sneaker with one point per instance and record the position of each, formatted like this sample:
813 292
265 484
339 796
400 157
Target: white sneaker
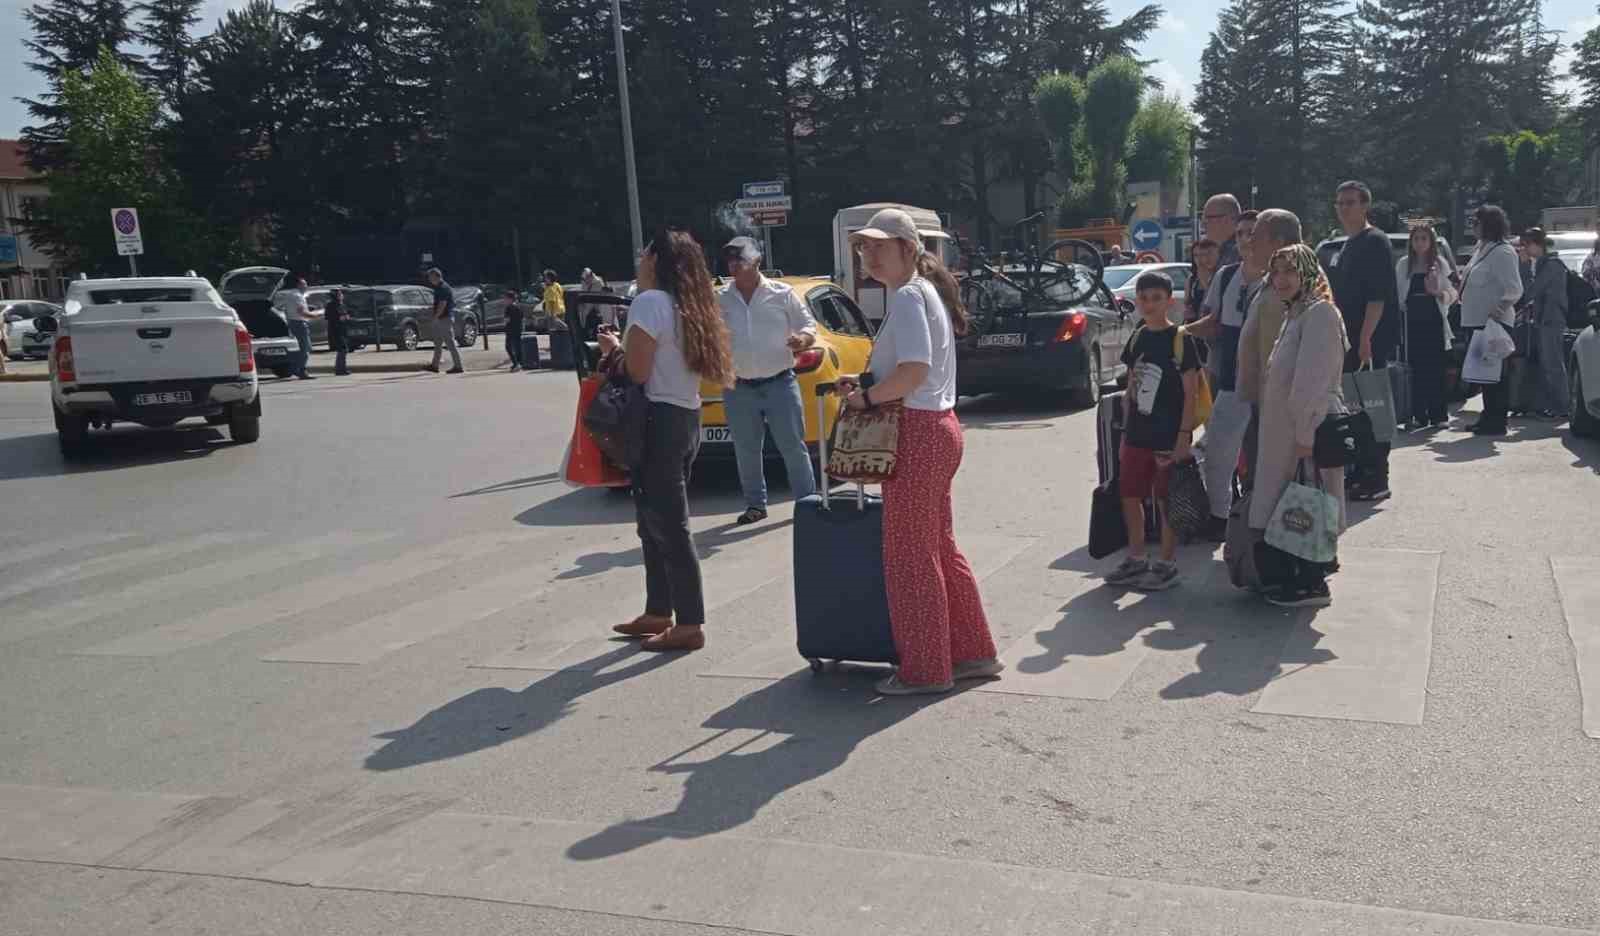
1131 570
1162 576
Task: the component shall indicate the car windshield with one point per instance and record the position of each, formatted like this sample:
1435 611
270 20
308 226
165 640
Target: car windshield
1118 277
15 316
252 282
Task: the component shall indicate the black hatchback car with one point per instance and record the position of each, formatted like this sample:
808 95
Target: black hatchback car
1067 349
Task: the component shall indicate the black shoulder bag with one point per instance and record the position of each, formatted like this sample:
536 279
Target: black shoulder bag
617 418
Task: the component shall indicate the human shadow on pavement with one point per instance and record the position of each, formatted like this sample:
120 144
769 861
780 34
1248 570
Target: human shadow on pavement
1585 451
823 720
1241 651
39 456
1099 621
707 543
487 718
599 505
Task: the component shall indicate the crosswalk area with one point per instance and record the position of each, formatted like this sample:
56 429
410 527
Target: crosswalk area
532 599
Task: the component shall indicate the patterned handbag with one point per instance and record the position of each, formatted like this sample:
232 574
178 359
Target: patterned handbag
863 443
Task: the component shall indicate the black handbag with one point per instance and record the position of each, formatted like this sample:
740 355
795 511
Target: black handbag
617 419
1188 507
1343 439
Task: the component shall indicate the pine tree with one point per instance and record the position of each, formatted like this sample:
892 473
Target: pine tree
68 36
166 30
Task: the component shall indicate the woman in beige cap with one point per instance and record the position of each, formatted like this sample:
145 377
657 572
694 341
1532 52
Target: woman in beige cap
939 626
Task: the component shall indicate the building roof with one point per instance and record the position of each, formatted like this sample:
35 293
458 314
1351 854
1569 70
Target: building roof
13 165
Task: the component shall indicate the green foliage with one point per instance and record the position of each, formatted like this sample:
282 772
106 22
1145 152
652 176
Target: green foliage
108 161
1111 103
1058 99
1160 150
1518 169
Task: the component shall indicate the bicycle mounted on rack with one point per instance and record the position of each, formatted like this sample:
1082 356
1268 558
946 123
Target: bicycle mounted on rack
1066 273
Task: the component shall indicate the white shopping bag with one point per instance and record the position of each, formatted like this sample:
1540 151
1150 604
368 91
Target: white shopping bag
1481 367
1499 341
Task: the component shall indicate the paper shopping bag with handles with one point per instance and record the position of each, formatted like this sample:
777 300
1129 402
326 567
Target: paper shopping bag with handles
1306 521
1369 391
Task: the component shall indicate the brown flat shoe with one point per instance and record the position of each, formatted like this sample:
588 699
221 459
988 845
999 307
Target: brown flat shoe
677 638
645 625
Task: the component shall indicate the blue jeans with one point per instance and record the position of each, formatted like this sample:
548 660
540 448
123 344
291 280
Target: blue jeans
755 409
302 334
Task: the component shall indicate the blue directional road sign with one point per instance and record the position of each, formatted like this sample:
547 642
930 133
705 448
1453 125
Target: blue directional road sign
1146 235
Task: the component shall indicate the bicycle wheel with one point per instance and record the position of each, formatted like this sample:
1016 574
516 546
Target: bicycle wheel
1072 272
980 304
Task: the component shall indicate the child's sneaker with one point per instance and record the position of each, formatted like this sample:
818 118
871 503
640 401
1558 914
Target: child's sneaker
1162 576
1131 570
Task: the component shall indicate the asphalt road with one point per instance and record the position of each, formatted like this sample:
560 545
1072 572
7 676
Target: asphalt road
356 678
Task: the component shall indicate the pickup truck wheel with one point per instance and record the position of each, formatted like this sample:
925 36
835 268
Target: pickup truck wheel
469 332
72 431
410 338
1583 424
244 426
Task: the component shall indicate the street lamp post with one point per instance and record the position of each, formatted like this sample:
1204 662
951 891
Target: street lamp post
627 133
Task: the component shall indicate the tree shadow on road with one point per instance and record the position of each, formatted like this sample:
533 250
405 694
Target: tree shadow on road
39 456
1586 452
487 718
823 720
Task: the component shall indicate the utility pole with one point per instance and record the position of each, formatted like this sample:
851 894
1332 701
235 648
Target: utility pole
627 134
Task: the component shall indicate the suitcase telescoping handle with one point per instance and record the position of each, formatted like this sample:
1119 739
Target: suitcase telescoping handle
822 391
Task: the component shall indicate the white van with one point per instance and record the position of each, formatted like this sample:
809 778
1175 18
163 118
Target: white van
866 291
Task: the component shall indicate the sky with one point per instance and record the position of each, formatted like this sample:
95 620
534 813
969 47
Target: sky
1176 45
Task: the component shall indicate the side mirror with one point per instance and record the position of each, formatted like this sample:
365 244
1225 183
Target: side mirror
46 323
1124 308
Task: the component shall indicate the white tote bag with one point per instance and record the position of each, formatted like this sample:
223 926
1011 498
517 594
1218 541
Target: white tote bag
1305 522
1482 366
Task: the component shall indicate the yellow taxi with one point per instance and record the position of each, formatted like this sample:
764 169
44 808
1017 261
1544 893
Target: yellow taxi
844 341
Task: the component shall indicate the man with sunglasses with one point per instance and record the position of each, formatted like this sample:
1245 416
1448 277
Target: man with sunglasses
769 324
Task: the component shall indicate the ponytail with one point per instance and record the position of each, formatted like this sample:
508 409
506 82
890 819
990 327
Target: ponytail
944 283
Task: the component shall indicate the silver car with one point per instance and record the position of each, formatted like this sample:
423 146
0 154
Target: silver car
23 340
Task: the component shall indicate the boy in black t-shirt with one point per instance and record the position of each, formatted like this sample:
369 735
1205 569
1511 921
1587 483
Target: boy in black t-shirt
1163 385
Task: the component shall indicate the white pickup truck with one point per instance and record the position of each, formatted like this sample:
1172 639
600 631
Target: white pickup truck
153 351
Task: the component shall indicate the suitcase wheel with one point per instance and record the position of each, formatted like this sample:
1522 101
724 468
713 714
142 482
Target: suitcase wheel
816 665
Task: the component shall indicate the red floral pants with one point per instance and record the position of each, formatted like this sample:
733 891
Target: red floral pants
934 607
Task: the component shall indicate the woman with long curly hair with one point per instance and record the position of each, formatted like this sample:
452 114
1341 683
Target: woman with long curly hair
935 611
676 338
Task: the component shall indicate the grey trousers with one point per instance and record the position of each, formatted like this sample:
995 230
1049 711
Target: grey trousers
444 336
1552 364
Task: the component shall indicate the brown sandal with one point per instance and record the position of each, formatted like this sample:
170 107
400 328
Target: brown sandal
645 625
677 638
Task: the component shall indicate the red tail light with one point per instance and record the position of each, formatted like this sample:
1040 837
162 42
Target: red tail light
1074 326
66 372
247 354
808 360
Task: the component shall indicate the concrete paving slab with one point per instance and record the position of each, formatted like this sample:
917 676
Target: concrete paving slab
312 595
410 845
1579 587
1366 657
260 559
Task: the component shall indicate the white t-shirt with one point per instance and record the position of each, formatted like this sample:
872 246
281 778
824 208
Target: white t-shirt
916 329
671 381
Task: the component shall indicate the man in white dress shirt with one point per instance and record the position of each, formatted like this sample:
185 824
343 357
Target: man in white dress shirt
770 324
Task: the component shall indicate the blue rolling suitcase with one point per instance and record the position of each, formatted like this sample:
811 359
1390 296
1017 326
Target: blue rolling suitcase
841 605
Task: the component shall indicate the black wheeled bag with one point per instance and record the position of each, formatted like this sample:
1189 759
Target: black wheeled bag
841 604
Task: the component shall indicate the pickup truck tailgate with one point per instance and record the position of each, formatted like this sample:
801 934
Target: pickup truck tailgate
173 344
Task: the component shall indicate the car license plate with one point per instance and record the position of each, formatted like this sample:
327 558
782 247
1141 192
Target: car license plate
1002 341
716 434
275 352
163 399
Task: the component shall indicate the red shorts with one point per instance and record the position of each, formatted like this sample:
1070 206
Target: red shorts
1140 475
